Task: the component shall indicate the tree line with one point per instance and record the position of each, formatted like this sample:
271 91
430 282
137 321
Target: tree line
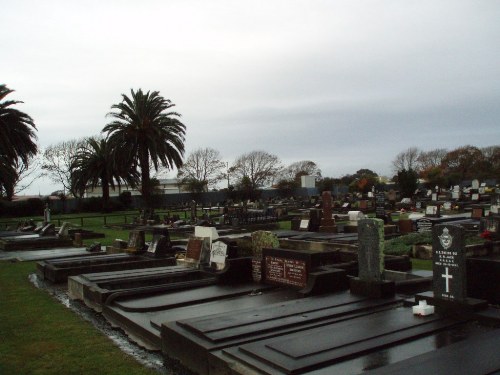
145 135
444 168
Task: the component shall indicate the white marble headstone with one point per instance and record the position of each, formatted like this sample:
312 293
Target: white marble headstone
210 232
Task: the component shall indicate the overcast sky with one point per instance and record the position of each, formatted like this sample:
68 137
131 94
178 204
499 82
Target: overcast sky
346 84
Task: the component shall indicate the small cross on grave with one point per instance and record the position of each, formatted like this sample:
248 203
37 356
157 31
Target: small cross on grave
447 277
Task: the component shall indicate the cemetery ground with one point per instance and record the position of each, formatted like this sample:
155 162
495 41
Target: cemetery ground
43 337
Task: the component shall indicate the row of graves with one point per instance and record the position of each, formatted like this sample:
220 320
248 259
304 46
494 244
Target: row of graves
29 235
297 310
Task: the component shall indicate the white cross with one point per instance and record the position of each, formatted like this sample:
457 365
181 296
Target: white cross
447 277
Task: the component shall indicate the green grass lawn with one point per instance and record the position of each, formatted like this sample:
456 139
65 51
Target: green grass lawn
42 336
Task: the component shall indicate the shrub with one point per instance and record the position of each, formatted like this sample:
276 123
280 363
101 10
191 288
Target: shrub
402 245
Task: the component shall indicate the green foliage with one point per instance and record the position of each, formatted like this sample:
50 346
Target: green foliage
287 187
17 141
402 245
29 207
149 133
408 182
126 199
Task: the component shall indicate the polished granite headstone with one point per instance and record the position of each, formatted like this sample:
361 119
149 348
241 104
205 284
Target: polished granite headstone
449 292
448 259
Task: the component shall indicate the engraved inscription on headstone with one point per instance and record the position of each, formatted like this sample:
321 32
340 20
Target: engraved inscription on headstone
424 225
449 258
371 249
193 250
218 252
286 271
380 204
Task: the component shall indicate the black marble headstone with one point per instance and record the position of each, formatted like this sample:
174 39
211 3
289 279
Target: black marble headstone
449 259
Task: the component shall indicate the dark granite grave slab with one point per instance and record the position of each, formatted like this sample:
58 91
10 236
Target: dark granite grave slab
313 349
33 242
483 278
141 317
478 355
192 340
94 289
26 256
95 293
58 270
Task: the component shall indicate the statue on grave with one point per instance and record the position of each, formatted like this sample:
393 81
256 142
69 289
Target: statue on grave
46 214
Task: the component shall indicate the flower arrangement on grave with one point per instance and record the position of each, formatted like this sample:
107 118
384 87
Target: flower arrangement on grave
487 235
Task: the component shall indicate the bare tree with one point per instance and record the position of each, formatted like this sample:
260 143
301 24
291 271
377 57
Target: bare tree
28 173
431 159
203 165
300 168
406 160
259 167
57 161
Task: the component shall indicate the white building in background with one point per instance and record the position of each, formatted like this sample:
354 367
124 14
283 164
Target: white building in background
307 181
166 186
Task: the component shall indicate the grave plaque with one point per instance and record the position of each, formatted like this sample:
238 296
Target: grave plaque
494 209
424 225
447 205
194 246
380 204
449 258
261 239
477 212
285 271
475 197
475 184
432 211
218 253
304 224
371 249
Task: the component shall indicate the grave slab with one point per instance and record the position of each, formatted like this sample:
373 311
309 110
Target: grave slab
58 270
325 347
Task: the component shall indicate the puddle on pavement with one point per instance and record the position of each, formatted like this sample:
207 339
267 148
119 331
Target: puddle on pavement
153 360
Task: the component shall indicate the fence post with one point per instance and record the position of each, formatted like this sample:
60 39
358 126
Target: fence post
81 221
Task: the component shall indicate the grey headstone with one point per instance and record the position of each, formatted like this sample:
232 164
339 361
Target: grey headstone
449 258
63 231
371 249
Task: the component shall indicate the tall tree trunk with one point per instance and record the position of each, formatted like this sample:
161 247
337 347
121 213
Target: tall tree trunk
105 195
145 178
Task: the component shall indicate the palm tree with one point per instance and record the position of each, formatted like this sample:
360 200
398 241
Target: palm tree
147 132
97 163
17 138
